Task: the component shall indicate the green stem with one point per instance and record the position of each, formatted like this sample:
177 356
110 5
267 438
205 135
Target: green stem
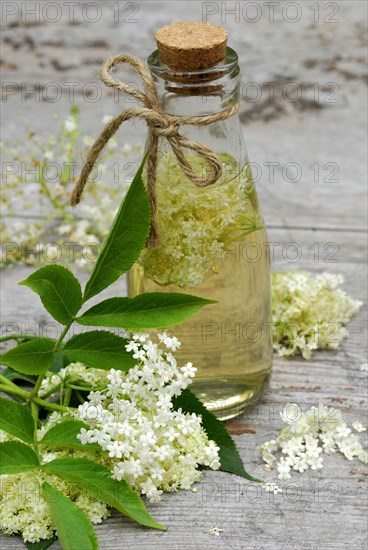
9 383
15 391
85 388
54 389
65 178
67 397
34 409
81 388
37 386
42 376
81 399
52 406
62 335
26 395
44 186
62 385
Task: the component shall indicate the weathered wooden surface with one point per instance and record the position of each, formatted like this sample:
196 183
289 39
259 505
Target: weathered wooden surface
324 509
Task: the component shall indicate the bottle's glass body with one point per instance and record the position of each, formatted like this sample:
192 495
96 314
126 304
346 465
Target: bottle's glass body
213 244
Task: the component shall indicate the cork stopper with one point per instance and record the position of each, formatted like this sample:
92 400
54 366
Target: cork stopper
191 45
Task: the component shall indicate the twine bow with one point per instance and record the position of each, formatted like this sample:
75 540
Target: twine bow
160 125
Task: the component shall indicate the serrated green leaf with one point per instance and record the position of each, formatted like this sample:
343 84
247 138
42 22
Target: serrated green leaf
42 544
97 479
99 349
145 311
73 527
59 290
32 357
64 434
16 420
17 457
229 455
125 240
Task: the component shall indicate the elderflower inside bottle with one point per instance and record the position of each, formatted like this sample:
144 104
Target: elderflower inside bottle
213 241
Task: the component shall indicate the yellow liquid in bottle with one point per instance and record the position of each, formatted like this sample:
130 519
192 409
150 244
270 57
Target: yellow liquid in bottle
230 342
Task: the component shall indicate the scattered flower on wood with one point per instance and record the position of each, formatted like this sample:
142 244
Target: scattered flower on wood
309 312
301 444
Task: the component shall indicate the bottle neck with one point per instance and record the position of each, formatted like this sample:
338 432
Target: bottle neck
197 93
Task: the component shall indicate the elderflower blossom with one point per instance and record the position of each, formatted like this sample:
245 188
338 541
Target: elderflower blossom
194 223
70 124
273 488
302 442
215 531
309 312
358 426
23 508
49 197
151 446
78 372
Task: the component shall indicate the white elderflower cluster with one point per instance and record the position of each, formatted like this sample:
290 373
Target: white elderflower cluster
309 312
151 446
273 488
195 224
45 189
74 372
23 508
307 437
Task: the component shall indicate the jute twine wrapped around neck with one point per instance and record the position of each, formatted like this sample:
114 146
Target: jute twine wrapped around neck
160 125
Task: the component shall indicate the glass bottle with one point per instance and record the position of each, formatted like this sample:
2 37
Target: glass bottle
213 243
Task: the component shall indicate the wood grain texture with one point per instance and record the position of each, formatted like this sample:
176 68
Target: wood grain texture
317 510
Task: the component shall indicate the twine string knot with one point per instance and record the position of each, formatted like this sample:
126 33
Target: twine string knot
160 125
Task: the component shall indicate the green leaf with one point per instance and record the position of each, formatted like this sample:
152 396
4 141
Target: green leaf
16 420
229 455
59 290
11 374
99 349
17 457
127 237
149 310
74 529
42 545
32 357
97 479
64 434
60 362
